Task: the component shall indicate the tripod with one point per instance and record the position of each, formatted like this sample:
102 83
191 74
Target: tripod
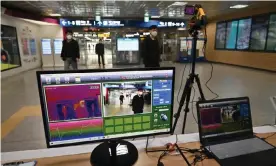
186 95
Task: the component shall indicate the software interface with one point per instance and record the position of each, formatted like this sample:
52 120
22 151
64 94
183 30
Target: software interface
93 106
225 117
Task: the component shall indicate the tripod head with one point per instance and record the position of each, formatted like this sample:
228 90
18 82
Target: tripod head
199 19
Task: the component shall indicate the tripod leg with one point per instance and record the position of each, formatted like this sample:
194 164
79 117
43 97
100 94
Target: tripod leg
183 156
199 87
182 100
186 109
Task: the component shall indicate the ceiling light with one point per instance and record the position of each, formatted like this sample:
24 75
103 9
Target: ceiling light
238 6
55 14
178 4
155 16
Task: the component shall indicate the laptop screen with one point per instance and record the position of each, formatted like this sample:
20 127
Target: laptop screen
223 118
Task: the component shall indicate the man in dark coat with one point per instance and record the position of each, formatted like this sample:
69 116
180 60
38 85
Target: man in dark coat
70 52
138 103
151 49
100 52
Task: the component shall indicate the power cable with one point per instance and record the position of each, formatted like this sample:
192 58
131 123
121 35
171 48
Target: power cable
212 67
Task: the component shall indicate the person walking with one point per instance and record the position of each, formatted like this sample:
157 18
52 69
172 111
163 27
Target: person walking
70 52
151 49
100 52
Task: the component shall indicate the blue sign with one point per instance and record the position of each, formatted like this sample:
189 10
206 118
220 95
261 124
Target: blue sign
93 23
120 23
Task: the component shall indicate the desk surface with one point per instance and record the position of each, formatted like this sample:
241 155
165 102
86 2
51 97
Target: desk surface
149 159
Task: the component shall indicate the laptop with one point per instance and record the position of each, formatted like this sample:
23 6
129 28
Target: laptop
226 133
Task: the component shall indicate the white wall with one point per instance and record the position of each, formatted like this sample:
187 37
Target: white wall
38 32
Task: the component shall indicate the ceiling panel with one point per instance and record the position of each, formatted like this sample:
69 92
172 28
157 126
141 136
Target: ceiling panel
125 9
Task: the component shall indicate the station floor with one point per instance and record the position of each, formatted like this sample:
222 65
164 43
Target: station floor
21 121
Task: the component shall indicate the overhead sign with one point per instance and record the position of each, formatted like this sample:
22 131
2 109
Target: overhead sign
121 23
94 23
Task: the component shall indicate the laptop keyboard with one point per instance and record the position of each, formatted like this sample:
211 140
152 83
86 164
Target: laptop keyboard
237 148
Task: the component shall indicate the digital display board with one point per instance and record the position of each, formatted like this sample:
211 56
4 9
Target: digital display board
127 44
259 32
10 55
46 47
57 46
120 23
220 35
244 30
271 39
231 34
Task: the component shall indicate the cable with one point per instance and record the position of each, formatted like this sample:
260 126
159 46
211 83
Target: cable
206 84
269 136
212 69
176 138
159 163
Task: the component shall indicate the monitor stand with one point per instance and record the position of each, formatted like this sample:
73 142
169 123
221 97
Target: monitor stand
114 153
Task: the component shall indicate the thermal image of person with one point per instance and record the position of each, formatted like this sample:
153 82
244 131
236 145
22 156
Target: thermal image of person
138 102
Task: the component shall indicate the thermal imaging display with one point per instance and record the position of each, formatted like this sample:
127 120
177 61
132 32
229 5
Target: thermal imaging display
85 107
224 117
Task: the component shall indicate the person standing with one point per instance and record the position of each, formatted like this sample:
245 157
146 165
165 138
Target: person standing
122 97
151 50
138 103
70 52
100 52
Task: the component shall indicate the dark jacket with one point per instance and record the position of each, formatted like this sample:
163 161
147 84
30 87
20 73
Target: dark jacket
150 51
100 49
122 97
137 104
70 49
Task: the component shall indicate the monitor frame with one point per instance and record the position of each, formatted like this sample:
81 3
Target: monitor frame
43 104
205 141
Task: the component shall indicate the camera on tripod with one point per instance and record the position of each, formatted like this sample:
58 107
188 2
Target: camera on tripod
199 18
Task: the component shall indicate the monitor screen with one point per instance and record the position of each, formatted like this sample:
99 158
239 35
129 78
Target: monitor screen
58 46
104 104
127 44
225 117
46 46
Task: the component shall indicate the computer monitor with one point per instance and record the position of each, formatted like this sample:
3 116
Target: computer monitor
224 118
86 106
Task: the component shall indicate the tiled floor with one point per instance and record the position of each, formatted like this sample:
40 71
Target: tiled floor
20 93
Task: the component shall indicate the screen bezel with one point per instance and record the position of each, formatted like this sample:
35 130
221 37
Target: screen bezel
205 141
43 104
